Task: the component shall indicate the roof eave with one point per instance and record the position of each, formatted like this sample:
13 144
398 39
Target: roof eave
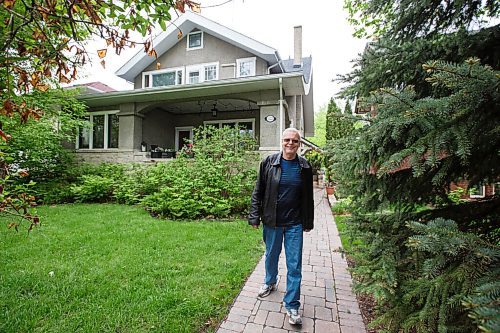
292 81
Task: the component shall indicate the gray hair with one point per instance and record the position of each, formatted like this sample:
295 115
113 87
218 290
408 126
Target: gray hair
293 130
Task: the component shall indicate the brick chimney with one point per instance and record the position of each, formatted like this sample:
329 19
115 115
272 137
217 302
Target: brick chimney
297 46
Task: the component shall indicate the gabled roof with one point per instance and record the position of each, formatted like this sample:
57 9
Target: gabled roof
186 23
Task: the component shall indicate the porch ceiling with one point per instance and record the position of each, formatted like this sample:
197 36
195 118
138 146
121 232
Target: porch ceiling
292 85
206 106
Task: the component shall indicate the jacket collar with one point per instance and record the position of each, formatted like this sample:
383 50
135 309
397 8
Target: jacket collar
276 158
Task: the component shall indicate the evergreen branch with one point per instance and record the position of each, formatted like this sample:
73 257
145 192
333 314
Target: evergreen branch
467 214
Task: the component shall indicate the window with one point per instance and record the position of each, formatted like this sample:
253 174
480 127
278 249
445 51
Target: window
113 130
202 72
477 190
101 132
245 125
210 72
195 40
84 136
194 77
98 131
245 67
162 78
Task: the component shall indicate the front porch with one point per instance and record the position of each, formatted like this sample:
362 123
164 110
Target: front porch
166 117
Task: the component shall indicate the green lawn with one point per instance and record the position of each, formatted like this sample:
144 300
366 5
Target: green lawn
347 243
113 268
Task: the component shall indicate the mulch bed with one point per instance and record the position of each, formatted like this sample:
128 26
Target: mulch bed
366 304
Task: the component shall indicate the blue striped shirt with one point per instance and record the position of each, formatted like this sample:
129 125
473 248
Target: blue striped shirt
289 193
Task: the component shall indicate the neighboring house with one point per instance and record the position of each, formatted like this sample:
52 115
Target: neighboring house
476 191
93 88
212 75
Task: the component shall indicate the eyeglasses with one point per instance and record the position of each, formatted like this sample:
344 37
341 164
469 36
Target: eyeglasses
291 140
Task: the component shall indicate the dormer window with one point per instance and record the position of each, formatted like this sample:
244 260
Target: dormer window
245 67
163 77
195 40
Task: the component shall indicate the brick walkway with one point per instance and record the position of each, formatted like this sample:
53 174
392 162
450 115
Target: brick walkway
328 303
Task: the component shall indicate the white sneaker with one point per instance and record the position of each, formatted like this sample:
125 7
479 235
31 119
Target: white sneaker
266 289
294 317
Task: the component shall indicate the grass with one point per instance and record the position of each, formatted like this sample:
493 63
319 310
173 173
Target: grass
341 226
113 268
348 244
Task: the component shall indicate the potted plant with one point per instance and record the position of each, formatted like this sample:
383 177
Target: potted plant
169 153
329 185
187 150
157 152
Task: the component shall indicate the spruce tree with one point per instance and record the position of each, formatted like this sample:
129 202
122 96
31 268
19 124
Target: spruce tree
431 263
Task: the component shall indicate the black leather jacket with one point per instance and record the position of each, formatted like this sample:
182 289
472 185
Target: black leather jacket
265 194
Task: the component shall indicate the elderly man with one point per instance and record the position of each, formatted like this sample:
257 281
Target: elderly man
283 201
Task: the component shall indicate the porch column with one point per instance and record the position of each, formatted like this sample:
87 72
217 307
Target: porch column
296 112
271 122
130 134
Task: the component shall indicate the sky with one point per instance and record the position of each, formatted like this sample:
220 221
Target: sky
326 36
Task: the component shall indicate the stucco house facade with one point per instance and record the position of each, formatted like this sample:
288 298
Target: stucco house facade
212 75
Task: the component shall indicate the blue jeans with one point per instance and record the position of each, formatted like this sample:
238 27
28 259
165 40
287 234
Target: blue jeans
293 238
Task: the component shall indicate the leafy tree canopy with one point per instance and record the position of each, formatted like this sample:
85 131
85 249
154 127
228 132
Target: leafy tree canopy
319 137
43 43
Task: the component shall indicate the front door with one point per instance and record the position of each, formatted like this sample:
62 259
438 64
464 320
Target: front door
182 135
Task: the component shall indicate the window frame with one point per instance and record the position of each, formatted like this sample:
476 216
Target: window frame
106 115
241 61
188 39
179 129
201 68
481 189
150 74
221 122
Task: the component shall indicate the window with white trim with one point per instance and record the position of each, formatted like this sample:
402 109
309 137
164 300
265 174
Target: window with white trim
101 133
194 76
164 77
245 67
202 72
210 72
245 125
477 190
195 40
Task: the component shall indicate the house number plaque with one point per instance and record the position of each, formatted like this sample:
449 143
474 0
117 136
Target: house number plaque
270 118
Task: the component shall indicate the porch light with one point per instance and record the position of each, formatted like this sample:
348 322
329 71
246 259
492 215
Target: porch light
214 110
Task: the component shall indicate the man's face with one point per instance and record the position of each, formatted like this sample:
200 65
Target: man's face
290 143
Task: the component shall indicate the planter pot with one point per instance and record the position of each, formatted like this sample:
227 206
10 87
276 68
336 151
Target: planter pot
156 154
330 190
170 154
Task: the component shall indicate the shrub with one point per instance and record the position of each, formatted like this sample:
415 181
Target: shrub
343 206
93 188
216 183
315 158
55 191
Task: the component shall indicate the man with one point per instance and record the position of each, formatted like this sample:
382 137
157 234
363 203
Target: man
283 201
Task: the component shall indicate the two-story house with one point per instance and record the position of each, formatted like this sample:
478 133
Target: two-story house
212 75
